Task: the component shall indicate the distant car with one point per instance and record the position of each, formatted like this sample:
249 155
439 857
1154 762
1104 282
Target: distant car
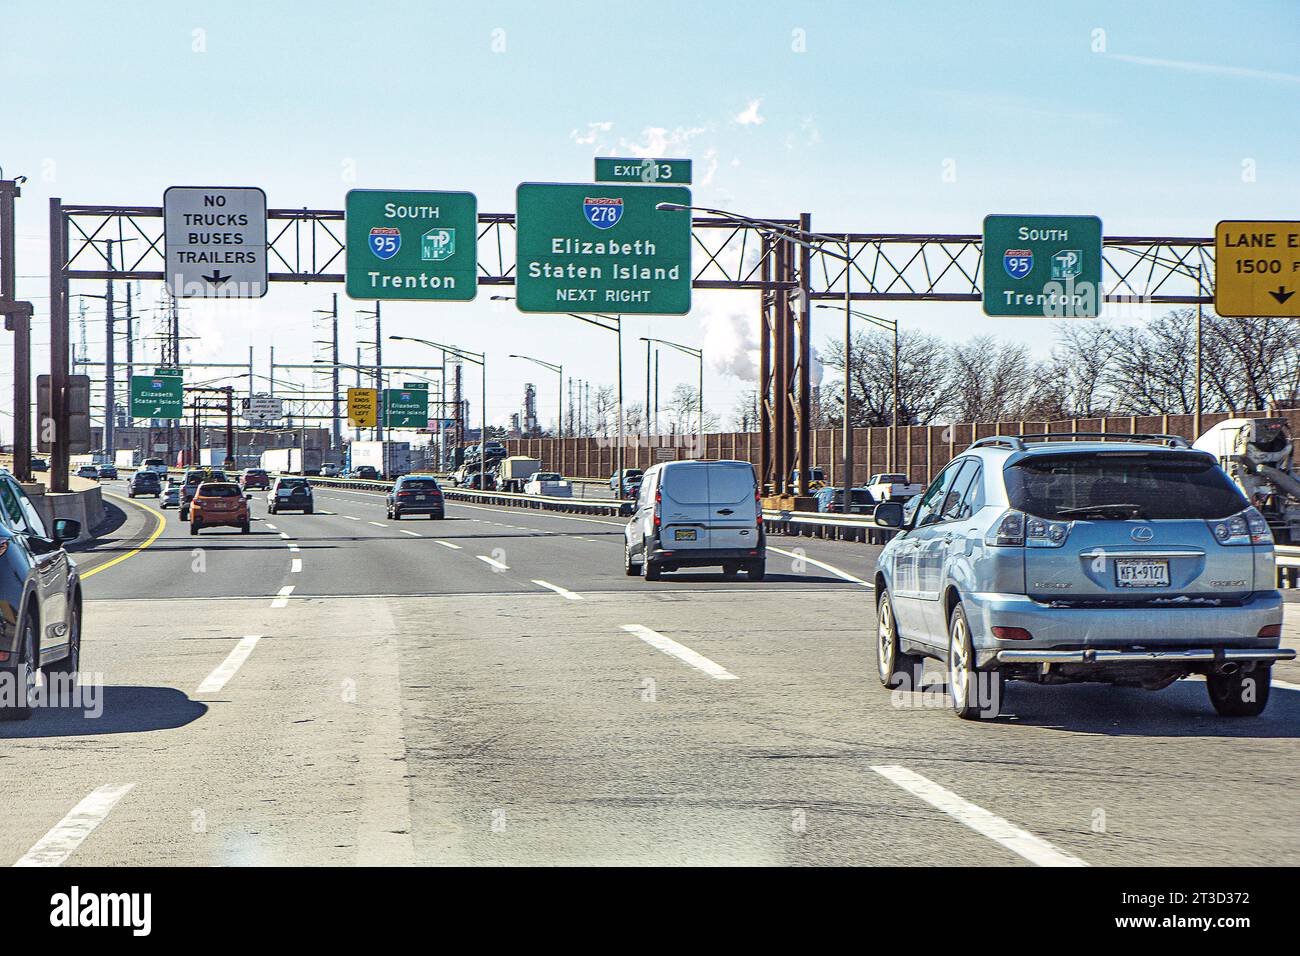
254 479
290 493
365 472
218 503
108 472
171 496
88 471
816 478
1060 558
472 480
144 483
329 470
415 495
548 483
831 501
629 485
155 464
40 464
41 593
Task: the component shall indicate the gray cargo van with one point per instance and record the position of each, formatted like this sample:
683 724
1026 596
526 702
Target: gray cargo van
693 514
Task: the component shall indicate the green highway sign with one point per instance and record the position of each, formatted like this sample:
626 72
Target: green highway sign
601 248
665 172
167 370
412 244
1044 266
157 396
406 407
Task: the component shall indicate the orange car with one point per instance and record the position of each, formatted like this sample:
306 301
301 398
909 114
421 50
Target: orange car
219 503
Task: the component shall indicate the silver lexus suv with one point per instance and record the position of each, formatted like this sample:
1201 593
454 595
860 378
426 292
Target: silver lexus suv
1061 558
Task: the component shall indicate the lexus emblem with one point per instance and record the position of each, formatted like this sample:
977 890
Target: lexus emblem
1142 533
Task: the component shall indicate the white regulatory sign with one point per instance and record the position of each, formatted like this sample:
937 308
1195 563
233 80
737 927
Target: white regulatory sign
215 240
262 409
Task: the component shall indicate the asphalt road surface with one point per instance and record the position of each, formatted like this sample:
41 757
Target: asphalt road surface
339 688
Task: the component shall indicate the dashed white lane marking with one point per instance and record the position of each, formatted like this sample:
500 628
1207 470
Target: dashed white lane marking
69 833
271 526
448 544
492 561
285 536
226 669
1284 685
680 651
824 566
350 517
296 567
562 592
1034 849
377 524
282 596
413 534
292 547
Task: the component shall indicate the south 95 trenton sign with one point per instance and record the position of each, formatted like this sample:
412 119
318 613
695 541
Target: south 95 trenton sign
412 244
1045 266
587 247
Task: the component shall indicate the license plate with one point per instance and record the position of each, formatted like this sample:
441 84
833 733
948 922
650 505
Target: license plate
1131 573
419 497
684 534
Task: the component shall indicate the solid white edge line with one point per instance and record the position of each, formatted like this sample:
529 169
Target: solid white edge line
562 592
69 833
296 567
1021 842
282 596
1285 685
227 668
492 561
824 566
448 544
680 651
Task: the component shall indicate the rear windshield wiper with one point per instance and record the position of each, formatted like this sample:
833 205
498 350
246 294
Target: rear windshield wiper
1106 511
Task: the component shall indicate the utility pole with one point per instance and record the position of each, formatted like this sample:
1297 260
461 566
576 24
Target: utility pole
18 316
379 371
58 425
130 343
646 410
337 434
110 334
656 390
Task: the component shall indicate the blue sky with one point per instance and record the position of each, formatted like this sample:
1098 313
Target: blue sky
849 111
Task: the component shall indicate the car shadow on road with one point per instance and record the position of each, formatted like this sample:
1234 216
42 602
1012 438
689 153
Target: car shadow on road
1181 710
671 577
114 709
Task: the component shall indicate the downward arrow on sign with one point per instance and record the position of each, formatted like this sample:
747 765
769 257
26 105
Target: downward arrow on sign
216 278
1282 294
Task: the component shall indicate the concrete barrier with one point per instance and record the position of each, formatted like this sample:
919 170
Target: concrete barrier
83 502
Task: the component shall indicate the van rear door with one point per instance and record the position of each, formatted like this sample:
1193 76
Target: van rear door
733 514
684 507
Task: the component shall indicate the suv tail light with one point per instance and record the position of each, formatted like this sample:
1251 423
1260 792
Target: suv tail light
1015 529
1245 527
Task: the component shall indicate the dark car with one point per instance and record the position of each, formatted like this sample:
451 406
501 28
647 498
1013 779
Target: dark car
630 484
193 478
474 478
108 472
415 495
367 472
40 464
144 483
41 592
831 501
290 494
254 479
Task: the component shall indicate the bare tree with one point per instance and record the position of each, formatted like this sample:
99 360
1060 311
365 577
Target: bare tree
922 368
683 412
989 380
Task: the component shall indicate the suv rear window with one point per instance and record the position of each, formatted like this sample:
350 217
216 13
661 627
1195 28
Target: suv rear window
419 484
210 490
1098 484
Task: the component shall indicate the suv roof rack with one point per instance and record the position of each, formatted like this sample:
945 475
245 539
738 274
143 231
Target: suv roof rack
1017 442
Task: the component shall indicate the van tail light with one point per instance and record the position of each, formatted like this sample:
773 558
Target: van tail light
658 499
1012 634
758 507
1270 630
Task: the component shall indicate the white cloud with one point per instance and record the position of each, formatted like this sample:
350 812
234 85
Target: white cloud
1189 66
660 142
710 167
750 116
593 132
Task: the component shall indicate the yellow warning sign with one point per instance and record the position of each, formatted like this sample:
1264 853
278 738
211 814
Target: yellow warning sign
363 407
1257 268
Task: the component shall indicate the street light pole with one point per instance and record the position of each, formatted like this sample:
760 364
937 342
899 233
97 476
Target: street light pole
1196 425
698 355
888 325
479 359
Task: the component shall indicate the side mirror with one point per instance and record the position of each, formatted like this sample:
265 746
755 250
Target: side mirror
66 529
889 514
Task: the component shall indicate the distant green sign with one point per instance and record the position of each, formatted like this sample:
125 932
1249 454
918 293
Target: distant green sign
406 407
168 370
665 172
1045 266
412 245
600 248
157 396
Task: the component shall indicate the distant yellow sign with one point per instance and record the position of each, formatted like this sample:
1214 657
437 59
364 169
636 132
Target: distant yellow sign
363 407
1257 268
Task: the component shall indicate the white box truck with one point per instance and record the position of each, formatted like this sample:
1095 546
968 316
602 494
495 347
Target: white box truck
389 458
514 472
292 461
